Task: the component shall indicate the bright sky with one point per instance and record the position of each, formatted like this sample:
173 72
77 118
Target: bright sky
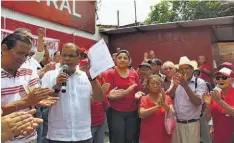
108 11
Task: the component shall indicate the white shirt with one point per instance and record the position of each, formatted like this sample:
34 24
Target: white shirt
70 118
14 88
185 109
32 64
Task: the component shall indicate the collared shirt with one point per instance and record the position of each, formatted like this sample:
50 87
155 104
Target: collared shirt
185 109
32 64
70 119
13 88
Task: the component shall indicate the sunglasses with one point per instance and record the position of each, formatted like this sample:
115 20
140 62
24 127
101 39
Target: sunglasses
221 77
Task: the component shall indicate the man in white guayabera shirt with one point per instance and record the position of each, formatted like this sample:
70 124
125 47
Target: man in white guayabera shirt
187 101
69 120
15 81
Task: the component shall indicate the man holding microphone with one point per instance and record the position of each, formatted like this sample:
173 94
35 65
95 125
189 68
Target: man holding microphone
69 120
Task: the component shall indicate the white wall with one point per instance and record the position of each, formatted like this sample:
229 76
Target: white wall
48 24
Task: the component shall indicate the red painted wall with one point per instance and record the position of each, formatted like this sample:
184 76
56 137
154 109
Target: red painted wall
63 37
168 44
2 22
40 9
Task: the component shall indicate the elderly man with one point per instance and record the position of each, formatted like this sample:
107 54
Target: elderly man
169 71
187 92
18 88
70 120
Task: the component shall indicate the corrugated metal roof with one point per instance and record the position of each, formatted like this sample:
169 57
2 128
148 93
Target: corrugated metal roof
224 33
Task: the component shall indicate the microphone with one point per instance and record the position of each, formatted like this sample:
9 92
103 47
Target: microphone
64 70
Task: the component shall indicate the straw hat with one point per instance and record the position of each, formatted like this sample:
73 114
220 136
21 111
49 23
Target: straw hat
185 61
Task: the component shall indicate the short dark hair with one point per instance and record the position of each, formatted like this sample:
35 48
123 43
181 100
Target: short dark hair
124 51
156 62
10 40
22 30
66 45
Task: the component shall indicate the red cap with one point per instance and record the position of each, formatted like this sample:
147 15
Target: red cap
224 71
227 65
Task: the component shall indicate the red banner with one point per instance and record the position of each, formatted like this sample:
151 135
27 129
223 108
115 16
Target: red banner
73 13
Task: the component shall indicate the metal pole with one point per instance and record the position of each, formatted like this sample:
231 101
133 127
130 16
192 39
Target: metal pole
118 18
135 12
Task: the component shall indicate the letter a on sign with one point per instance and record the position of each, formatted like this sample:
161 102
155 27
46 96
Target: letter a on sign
67 6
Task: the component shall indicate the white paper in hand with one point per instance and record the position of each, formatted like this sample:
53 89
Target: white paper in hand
100 59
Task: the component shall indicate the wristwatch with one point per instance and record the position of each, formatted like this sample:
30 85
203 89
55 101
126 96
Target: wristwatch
56 90
90 79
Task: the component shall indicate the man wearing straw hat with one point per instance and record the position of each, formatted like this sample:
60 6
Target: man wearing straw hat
187 92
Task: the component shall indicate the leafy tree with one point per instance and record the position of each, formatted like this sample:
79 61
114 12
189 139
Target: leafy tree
161 13
169 11
226 9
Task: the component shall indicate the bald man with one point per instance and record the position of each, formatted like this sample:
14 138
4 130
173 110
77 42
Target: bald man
70 119
205 68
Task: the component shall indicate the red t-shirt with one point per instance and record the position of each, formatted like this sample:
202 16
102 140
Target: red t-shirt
204 75
223 123
153 127
98 109
126 103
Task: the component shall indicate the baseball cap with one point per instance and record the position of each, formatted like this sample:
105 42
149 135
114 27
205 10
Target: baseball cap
224 71
144 65
156 62
227 65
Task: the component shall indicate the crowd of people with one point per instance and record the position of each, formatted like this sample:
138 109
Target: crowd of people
55 100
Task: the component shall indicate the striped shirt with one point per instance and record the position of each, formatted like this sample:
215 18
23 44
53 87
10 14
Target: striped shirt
13 88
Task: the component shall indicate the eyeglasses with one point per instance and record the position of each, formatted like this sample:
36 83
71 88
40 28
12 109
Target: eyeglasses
221 77
69 55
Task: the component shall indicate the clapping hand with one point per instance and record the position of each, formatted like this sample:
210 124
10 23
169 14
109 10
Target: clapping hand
19 123
215 95
206 98
50 101
139 94
105 87
37 95
176 80
131 88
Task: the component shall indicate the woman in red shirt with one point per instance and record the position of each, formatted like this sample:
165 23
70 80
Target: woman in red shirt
124 83
152 111
220 106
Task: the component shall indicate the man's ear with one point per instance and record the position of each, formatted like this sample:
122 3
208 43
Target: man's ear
4 49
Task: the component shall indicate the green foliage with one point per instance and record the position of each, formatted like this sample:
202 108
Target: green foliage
169 11
161 13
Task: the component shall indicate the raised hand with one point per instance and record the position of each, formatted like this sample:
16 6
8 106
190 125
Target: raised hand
206 97
41 32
